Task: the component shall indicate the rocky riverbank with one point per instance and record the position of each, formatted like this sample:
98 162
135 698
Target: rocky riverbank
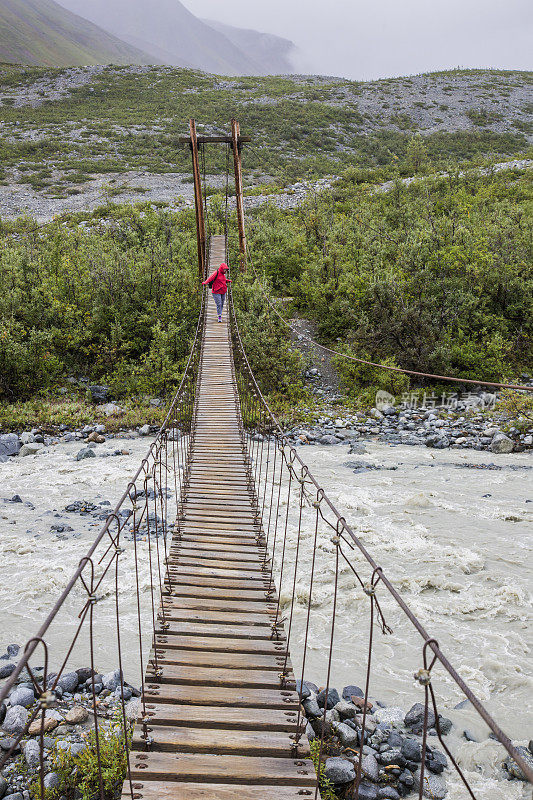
391 745
437 427
69 723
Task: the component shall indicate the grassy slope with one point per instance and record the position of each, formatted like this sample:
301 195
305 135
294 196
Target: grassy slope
41 32
122 119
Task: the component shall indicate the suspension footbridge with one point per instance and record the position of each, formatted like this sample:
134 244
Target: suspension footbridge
222 513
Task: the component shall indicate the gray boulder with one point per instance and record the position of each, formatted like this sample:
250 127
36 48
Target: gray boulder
328 439
68 682
347 736
99 394
16 719
501 444
51 781
370 768
414 718
388 793
311 707
412 750
433 786
145 430
346 710
352 691
7 669
331 700
30 449
32 753
27 437
438 442
111 680
22 696
85 452
368 791
3 786
512 767
9 444
339 771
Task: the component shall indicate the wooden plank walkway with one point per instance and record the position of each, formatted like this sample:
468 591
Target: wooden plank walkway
221 724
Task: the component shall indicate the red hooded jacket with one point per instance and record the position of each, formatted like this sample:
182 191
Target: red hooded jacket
220 283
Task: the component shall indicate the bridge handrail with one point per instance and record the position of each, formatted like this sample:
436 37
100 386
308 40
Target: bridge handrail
342 527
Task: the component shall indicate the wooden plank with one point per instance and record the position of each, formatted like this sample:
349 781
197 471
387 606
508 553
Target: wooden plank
160 790
243 718
215 604
205 629
206 658
184 739
224 617
217 676
221 696
221 769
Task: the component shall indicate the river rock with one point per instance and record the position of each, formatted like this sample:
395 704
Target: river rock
22 696
389 715
303 690
85 452
7 669
501 444
412 750
512 767
433 786
414 718
367 791
438 442
329 439
49 725
352 691
436 761
370 768
51 781
77 715
332 698
111 680
68 682
96 438
9 444
388 793
15 720
32 753
339 771
30 449
145 430
311 707
3 786
347 736
99 394
346 710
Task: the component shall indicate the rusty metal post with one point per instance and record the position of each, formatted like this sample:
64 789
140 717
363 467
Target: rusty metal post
200 220
235 135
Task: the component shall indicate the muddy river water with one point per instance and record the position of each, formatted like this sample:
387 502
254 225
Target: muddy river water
455 539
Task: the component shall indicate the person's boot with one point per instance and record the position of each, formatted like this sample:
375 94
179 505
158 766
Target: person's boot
220 319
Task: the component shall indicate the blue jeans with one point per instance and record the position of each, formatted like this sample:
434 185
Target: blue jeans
219 302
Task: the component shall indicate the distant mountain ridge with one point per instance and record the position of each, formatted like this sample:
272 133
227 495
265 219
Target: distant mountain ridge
169 32
44 33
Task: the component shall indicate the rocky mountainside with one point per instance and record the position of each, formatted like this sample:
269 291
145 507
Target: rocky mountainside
41 32
172 34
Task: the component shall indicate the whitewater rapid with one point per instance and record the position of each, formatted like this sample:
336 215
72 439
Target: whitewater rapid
455 541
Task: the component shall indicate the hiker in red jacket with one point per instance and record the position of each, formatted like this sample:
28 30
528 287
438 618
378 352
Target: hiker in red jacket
219 286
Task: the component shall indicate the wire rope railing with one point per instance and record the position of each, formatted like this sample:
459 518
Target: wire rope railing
111 602
306 534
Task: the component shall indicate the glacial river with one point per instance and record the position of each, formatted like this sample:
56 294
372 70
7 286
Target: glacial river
455 539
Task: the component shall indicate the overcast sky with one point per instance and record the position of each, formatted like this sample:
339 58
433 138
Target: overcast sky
379 38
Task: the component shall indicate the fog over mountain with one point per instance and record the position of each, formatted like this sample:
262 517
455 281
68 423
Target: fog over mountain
173 34
41 32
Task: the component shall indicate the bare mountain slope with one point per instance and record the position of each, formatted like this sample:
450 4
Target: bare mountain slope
41 32
170 32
